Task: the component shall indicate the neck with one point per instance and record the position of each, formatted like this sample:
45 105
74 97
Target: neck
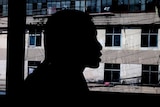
74 67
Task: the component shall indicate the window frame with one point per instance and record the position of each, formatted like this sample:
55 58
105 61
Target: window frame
113 34
114 68
147 34
149 73
32 65
35 34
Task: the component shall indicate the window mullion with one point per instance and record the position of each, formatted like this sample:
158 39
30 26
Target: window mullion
35 39
113 37
149 41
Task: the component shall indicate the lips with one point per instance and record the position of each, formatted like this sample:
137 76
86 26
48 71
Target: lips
99 58
100 54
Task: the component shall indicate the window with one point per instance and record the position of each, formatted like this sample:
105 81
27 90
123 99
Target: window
149 37
111 72
131 5
149 74
1 10
150 6
135 5
80 5
93 6
35 6
106 5
32 65
35 38
113 36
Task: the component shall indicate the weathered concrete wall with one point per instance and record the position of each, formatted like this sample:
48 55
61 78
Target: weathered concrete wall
94 74
127 19
3 41
130 55
2 69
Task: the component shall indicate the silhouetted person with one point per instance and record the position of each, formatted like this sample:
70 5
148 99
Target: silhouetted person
71 45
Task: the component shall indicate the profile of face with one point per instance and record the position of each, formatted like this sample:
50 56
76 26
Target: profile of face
72 36
93 53
91 48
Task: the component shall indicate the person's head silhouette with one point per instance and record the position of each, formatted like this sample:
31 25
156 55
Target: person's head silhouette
70 44
70 36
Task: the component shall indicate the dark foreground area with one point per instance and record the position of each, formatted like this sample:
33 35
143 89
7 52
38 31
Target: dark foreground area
117 95
110 98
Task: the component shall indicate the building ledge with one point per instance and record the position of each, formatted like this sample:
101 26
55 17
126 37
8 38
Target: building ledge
102 14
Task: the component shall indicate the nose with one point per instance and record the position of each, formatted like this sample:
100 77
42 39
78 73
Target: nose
100 46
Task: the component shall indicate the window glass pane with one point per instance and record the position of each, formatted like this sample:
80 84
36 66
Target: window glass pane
138 5
77 3
126 2
43 12
145 77
29 1
30 70
108 66
68 4
154 30
1 9
5 2
106 5
88 3
32 65
38 40
34 1
39 5
43 1
39 1
58 5
144 40
112 66
154 68
131 5
145 30
112 72
115 76
109 30
116 66
117 30
34 6
107 76
154 78
150 5
153 40
32 40
63 5
116 40
29 6
108 40
29 12
145 67
143 5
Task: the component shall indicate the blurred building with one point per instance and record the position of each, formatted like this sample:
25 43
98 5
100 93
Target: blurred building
129 31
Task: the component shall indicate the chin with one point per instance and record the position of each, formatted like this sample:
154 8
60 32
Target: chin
93 65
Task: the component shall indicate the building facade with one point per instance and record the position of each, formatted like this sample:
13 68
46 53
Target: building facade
128 30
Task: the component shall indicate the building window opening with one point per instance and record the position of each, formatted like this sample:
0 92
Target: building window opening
32 65
35 38
149 37
113 36
150 74
111 72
